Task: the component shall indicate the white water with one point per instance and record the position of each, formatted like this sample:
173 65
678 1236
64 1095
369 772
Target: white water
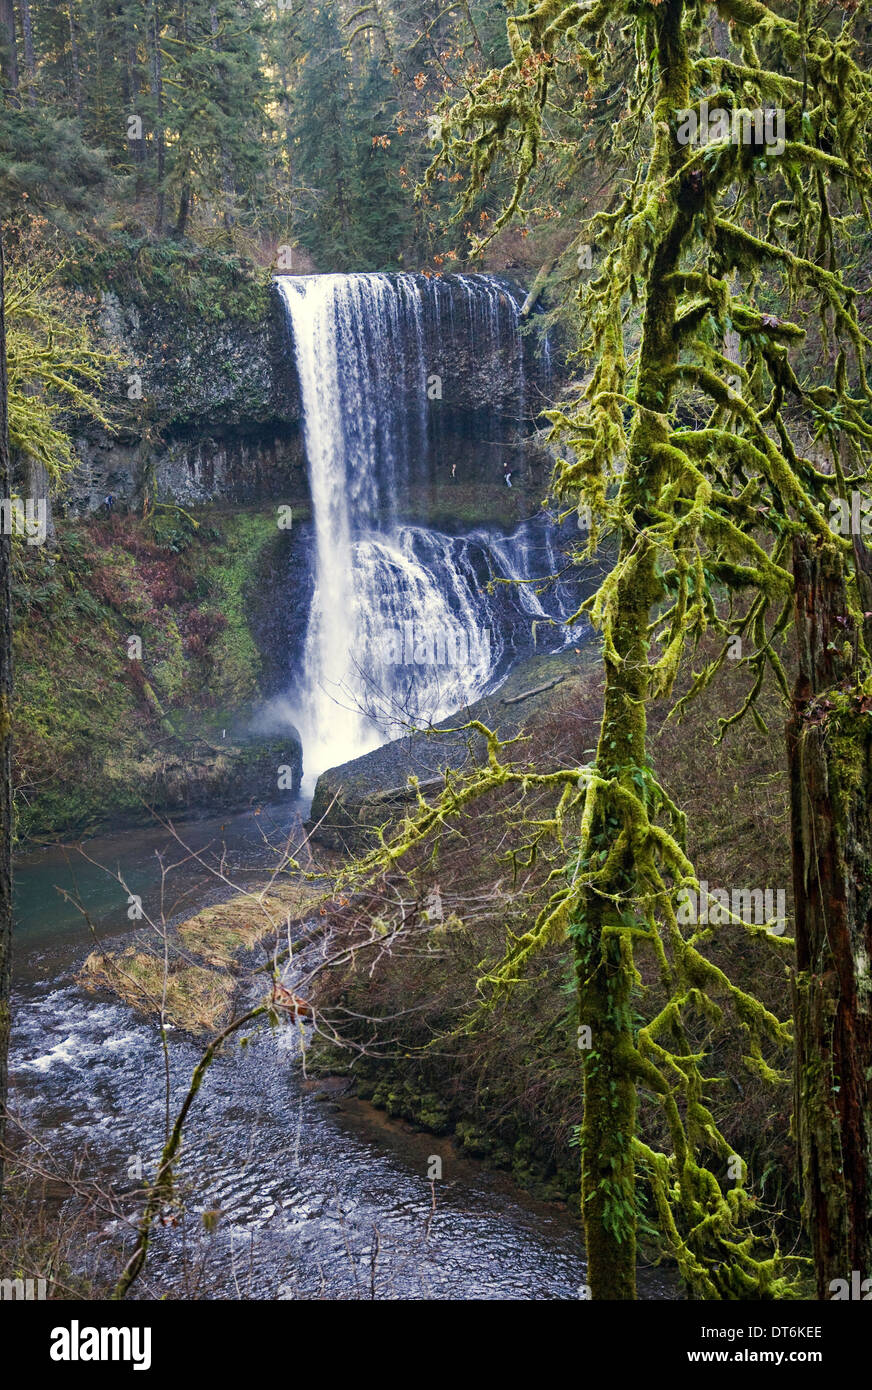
402 630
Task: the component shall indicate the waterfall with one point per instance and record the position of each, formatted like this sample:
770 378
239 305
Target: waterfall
402 629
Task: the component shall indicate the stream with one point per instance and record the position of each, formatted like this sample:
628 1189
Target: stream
319 1195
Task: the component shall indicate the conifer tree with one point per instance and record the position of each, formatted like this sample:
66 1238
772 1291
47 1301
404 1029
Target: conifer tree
216 103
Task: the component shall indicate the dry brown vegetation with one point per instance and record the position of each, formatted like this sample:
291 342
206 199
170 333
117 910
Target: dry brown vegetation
192 984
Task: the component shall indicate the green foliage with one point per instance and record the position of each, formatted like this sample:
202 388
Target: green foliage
211 283
87 747
350 148
242 124
172 528
55 369
44 160
216 112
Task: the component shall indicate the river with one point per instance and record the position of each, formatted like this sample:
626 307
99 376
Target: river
320 1196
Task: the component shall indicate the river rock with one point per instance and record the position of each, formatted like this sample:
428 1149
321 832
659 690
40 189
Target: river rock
193 777
372 791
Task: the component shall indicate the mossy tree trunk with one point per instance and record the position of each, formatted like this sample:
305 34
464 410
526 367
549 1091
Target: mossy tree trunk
604 957
5 744
830 753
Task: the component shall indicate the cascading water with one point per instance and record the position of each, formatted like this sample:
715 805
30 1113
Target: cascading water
403 628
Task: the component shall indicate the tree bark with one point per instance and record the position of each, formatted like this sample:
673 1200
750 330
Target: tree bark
227 189
604 975
29 56
829 741
74 59
184 183
130 97
155 67
184 211
8 48
5 744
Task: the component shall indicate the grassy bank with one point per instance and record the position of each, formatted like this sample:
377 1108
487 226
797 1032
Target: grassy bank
134 653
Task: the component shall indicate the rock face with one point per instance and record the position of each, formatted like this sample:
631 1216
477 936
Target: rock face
218 417
219 414
180 778
238 465
229 373
232 776
351 801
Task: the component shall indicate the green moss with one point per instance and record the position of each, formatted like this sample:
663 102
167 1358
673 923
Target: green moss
88 719
170 673
214 285
234 565
849 743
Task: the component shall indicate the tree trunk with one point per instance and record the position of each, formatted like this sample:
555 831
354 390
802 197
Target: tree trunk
130 97
184 211
829 742
74 59
226 174
5 745
184 183
8 49
155 68
29 56
604 973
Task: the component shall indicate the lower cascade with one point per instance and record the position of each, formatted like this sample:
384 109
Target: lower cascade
407 623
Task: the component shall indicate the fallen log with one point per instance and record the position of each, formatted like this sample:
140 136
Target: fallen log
537 690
